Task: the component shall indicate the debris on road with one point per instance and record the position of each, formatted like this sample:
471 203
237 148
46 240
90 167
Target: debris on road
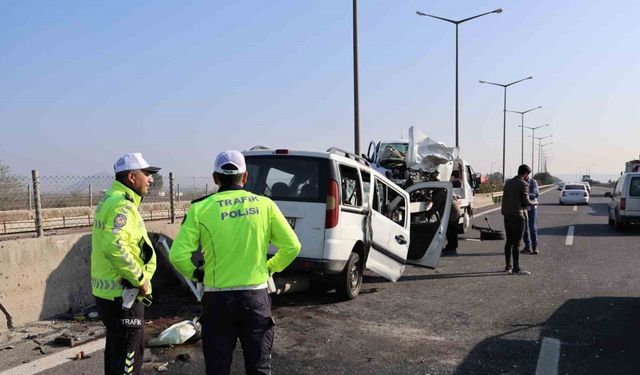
80 356
179 333
162 367
65 340
184 357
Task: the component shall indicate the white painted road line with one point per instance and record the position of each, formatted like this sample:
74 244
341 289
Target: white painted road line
569 240
549 357
575 208
55 359
497 208
487 212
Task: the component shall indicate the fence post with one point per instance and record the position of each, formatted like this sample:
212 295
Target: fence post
90 195
206 189
35 178
29 197
178 193
172 211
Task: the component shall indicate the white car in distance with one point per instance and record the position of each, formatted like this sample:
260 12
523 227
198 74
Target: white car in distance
574 193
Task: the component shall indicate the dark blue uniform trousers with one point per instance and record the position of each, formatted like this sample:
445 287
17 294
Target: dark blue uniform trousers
231 315
124 350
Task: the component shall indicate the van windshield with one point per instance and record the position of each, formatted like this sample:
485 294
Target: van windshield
288 178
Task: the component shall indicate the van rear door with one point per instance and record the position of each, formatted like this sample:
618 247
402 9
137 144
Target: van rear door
298 185
633 197
389 224
430 211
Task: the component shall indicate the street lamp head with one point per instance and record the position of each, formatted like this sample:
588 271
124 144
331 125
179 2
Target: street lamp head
499 10
420 13
530 77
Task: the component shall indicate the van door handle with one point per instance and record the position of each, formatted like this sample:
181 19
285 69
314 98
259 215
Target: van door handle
400 239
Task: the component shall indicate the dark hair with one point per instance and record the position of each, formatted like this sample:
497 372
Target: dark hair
523 169
122 177
229 179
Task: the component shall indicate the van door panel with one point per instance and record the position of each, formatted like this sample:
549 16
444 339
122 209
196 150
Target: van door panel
390 241
427 237
633 197
309 226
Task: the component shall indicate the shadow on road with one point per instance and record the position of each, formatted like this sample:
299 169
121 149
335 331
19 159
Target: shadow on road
597 335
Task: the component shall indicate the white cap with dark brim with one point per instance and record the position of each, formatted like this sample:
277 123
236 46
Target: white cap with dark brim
133 161
230 158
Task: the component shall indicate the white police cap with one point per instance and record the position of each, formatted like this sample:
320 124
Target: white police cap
132 161
227 158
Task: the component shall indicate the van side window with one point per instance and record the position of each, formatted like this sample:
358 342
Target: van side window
618 189
389 203
366 187
380 197
634 187
397 207
350 184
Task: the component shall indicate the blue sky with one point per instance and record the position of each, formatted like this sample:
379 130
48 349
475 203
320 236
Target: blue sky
84 82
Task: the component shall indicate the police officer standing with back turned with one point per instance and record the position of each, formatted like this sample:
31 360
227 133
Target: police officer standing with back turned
122 256
234 228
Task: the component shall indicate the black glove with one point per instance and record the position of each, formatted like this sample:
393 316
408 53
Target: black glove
198 274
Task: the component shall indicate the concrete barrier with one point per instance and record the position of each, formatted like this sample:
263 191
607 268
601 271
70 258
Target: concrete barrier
46 276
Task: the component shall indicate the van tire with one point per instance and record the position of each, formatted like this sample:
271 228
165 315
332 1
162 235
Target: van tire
350 280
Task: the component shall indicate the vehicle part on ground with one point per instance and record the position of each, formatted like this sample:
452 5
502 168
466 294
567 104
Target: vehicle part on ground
488 233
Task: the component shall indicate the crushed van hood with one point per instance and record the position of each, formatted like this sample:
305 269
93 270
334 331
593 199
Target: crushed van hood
428 155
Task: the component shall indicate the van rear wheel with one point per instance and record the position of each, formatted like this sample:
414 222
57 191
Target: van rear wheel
350 280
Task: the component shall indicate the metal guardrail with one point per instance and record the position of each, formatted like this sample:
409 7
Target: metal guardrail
497 196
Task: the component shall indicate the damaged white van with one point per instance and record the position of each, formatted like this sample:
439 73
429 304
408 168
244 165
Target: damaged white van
348 216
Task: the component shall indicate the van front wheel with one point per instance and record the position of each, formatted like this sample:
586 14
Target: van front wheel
350 280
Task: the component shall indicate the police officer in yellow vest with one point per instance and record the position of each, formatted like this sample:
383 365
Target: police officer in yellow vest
123 260
234 228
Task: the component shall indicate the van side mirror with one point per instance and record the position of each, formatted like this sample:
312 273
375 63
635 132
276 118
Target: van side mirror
608 194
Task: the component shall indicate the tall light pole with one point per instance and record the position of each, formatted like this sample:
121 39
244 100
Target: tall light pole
540 150
457 23
522 126
539 142
356 98
504 120
533 136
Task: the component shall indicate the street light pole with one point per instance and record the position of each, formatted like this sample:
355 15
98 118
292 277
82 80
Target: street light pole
522 126
504 119
356 89
540 148
533 135
457 23
539 143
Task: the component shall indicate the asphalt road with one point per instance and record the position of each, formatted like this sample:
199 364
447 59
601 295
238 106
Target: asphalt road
577 313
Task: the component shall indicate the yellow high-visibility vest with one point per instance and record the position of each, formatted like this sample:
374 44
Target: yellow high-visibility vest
120 246
234 228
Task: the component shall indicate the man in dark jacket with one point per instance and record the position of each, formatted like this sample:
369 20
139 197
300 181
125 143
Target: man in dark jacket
515 201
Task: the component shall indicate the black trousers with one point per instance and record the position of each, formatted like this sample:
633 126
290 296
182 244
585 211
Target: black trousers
125 336
452 237
243 314
514 229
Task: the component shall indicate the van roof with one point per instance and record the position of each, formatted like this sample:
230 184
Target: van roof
332 153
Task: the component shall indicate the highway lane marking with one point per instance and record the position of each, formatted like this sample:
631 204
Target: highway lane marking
486 212
575 208
569 240
55 359
497 208
549 357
